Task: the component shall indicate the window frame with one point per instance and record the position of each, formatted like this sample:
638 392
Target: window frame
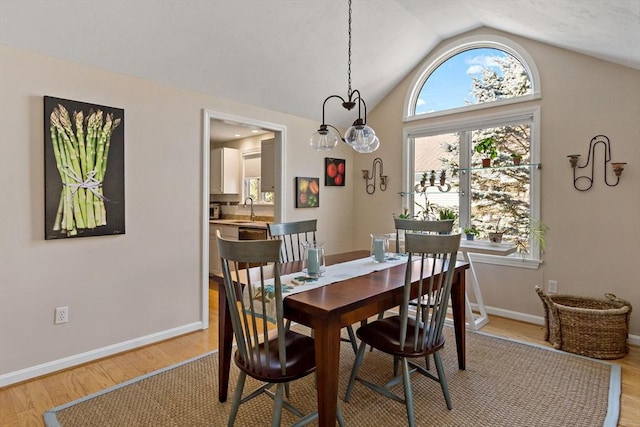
532 114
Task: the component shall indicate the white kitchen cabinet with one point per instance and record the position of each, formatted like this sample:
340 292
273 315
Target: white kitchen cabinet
227 231
267 165
225 171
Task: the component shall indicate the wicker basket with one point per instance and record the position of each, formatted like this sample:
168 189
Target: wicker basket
587 326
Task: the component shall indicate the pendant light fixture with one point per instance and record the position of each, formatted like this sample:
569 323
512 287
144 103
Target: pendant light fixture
359 136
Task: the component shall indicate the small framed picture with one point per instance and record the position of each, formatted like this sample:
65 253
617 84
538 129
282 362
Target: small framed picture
334 172
307 192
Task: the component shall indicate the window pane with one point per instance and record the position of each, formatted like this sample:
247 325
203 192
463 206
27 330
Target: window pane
500 194
472 77
436 175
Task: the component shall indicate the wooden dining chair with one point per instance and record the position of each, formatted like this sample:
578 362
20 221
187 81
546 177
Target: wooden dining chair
266 351
414 334
292 235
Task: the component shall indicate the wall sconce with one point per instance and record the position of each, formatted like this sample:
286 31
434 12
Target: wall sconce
618 167
371 188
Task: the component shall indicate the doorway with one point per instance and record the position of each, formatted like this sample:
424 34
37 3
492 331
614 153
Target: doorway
279 132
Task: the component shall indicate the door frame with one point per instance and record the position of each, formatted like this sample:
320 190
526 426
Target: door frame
280 135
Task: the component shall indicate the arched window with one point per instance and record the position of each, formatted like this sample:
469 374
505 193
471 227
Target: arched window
472 76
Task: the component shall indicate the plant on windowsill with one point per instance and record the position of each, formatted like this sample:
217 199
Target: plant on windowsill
471 232
487 147
495 236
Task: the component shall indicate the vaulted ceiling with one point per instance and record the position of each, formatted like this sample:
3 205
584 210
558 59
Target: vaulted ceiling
288 55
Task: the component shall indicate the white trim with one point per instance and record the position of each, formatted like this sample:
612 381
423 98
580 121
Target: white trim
89 356
537 320
449 50
280 135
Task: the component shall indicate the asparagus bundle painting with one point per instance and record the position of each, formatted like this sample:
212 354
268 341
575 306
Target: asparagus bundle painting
81 150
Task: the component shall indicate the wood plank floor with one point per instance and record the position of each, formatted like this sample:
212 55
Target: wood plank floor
23 404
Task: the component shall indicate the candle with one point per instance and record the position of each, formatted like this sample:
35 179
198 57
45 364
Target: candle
378 250
313 261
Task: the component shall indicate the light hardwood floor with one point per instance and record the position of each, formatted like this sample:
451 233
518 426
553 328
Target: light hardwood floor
23 404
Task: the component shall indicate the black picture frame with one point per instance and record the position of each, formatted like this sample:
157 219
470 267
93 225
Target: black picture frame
84 169
307 192
334 172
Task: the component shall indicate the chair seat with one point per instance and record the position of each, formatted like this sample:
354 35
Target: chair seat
300 361
384 335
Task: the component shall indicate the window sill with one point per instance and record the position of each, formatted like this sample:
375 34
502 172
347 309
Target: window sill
515 260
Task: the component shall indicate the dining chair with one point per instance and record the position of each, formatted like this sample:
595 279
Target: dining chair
414 334
266 351
417 226
405 226
292 235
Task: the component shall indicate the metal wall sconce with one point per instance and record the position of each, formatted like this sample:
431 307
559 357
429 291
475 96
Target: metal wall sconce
371 187
618 167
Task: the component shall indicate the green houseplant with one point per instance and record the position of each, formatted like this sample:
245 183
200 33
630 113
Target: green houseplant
446 213
471 232
487 147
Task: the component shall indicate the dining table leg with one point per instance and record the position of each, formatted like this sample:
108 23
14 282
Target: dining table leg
327 343
225 342
458 295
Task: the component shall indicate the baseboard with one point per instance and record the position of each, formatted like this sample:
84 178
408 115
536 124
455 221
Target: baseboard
89 356
537 320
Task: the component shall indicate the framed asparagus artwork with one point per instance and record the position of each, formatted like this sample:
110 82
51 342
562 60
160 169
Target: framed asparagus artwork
84 169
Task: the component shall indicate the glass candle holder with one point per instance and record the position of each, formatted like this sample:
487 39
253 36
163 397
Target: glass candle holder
313 258
379 247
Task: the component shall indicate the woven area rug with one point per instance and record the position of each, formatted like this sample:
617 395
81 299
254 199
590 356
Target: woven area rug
506 383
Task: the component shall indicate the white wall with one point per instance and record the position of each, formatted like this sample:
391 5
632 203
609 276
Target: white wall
593 245
143 285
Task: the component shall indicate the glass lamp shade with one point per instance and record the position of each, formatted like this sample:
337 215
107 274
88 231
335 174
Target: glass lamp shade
325 139
370 148
361 138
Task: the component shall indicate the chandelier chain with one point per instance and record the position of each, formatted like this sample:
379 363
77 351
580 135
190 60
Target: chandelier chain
349 60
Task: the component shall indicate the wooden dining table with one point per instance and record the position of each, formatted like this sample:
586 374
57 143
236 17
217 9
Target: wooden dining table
329 308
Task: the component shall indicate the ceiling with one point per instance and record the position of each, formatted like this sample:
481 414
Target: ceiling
289 55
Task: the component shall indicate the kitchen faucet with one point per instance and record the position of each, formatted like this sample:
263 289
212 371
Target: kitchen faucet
253 216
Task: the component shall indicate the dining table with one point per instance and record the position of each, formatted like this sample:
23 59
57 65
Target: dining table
328 309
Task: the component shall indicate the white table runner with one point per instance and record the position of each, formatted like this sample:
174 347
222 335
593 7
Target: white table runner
298 282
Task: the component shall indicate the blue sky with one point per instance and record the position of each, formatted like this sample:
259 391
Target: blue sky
449 85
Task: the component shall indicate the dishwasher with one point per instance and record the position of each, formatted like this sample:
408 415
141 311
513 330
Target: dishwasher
249 233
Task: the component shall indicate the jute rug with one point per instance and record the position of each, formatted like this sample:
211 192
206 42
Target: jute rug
506 383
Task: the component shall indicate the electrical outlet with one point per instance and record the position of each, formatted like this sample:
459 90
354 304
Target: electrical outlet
62 315
552 287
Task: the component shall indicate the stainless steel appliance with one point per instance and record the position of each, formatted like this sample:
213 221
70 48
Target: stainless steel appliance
214 211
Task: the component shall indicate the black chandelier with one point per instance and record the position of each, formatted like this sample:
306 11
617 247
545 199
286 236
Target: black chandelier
359 136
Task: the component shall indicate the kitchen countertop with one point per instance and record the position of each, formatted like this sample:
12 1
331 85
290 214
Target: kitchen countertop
240 223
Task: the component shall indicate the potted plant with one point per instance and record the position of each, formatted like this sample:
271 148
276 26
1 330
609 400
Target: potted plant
443 176
432 178
495 236
447 213
471 232
516 158
487 147
423 180
405 214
